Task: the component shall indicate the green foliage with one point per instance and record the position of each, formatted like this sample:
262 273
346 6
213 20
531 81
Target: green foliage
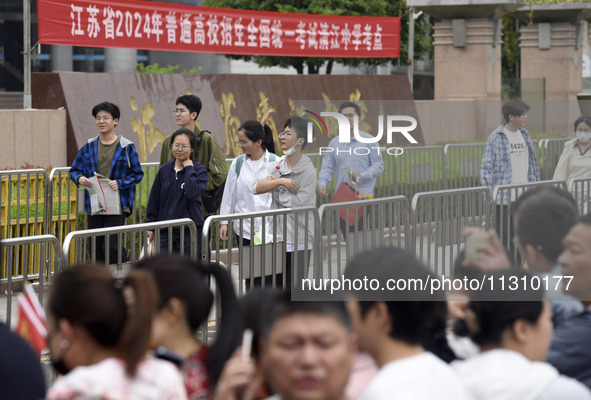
170 69
376 8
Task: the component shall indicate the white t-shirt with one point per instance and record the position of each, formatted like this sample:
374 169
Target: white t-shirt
519 156
154 380
420 377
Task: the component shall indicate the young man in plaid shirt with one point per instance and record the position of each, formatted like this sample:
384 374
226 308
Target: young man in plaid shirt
115 157
509 158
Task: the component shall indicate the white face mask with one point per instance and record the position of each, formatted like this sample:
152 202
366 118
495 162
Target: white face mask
292 149
584 137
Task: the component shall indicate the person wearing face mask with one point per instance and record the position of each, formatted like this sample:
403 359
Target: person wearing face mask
98 331
575 160
291 180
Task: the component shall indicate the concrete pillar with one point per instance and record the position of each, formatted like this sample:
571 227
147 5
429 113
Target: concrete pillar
120 60
467 59
549 51
61 58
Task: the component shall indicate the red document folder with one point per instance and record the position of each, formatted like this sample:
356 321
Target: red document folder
346 193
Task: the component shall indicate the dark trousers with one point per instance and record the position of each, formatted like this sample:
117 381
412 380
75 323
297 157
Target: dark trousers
105 221
345 229
176 243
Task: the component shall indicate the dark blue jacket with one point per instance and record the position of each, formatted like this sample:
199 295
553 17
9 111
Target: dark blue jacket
125 168
570 351
177 195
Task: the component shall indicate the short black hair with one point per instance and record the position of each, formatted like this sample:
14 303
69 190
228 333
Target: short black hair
192 102
515 108
111 108
350 104
538 190
544 221
492 310
281 306
300 126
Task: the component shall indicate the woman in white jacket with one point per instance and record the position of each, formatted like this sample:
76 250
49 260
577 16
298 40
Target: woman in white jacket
514 331
256 141
575 160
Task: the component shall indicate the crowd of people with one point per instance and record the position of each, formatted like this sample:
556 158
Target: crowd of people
139 335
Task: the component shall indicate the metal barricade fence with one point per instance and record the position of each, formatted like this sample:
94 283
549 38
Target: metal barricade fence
63 197
352 227
550 151
420 169
59 183
581 191
438 219
43 251
258 261
75 250
386 183
462 163
22 207
503 197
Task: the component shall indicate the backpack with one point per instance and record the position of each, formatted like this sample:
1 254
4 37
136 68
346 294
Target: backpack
212 199
240 161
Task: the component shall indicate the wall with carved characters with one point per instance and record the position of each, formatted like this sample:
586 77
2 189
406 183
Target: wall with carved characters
147 100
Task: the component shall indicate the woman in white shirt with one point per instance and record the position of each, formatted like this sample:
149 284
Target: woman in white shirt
256 141
514 331
575 160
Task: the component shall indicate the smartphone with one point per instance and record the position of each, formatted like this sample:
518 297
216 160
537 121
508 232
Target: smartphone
473 242
246 344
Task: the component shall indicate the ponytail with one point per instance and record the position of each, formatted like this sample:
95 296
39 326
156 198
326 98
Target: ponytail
255 131
141 296
268 142
187 280
115 312
230 328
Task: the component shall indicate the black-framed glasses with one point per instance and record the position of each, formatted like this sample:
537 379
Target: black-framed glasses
179 111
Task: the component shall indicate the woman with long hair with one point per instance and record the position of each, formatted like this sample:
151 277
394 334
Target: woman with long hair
98 333
185 303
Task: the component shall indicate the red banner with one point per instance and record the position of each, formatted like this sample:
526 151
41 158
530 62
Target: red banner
179 27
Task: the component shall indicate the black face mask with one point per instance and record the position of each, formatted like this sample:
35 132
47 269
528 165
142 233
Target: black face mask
59 366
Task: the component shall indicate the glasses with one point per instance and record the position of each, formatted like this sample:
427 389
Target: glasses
183 147
287 134
350 116
101 119
179 111
241 142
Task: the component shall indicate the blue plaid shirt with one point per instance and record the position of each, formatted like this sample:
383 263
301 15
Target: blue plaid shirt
125 168
496 170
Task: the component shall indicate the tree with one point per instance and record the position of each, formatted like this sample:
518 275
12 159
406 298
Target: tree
376 8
